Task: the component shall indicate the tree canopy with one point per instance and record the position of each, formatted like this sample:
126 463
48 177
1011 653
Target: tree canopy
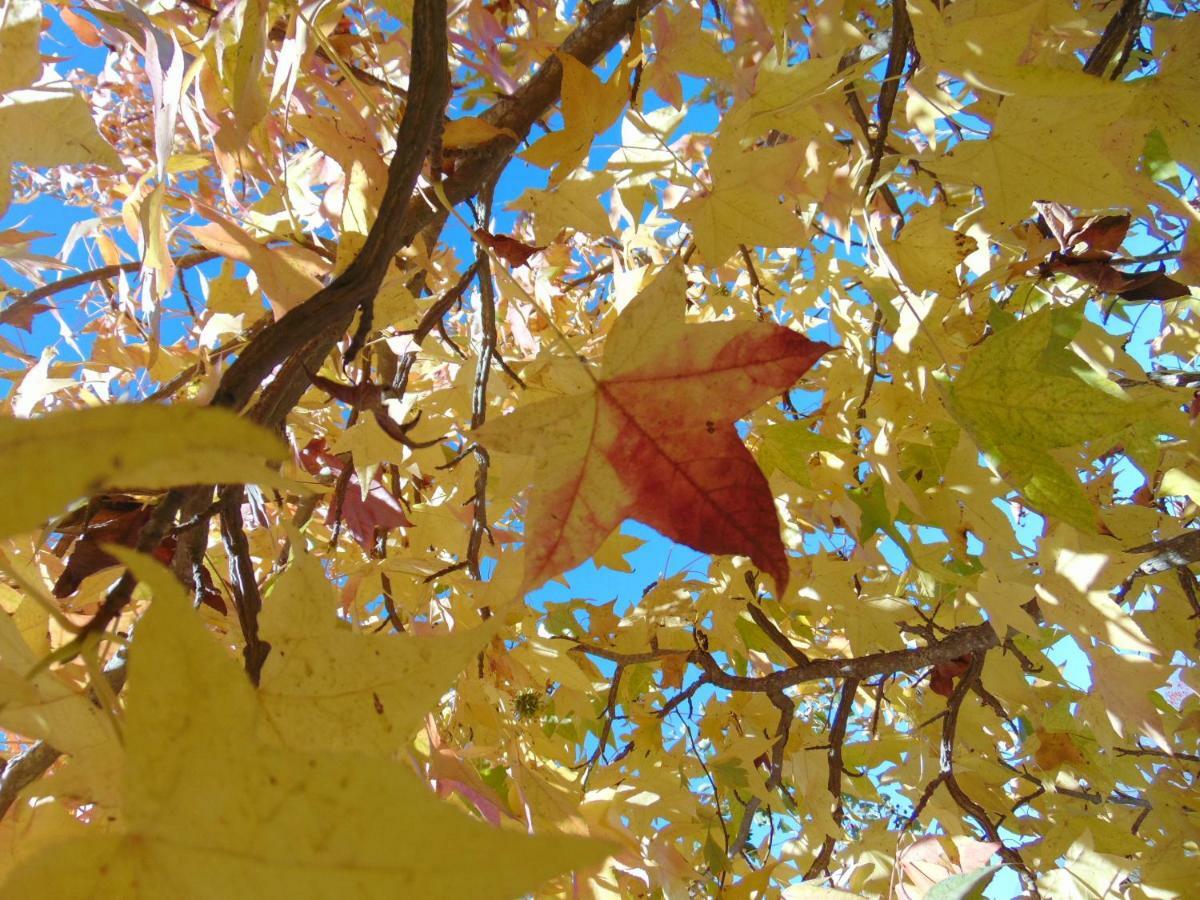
373 320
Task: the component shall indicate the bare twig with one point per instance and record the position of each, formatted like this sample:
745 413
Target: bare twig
247 598
898 49
959 642
837 740
30 298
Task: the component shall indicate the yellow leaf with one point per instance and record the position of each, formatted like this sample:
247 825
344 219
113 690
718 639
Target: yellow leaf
324 685
1086 874
588 107
928 253
243 43
142 446
744 204
1178 483
460 134
29 616
229 294
783 99
1126 683
994 46
288 275
611 554
211 812
20 29
43 128
1175 93
1076 150
369 445
26 829
44 707
574 204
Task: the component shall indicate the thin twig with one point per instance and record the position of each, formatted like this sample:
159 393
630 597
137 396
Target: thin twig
247 598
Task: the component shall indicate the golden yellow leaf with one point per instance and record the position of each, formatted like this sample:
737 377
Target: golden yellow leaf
928 253
588 107
127 445
325 686
1075 150
1002 46
460 134
611 554
27 828
1174 95
44 707
212 812
287 275
574 204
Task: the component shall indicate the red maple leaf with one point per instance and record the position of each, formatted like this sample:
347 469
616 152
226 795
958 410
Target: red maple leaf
515 253
942 680
362 515
654 438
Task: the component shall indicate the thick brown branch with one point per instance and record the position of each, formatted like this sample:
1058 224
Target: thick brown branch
328 312
1121 29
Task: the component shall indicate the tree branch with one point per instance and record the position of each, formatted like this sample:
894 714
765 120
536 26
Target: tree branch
328 312
837 740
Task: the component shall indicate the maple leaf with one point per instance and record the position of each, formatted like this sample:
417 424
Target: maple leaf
743 205
42 128
126 445
1036 151
654 439
1023 392
515 253
362 510
40 704
269 820
324 685
574 204
588 107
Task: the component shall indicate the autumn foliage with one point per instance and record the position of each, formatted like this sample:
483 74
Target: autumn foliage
374 322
